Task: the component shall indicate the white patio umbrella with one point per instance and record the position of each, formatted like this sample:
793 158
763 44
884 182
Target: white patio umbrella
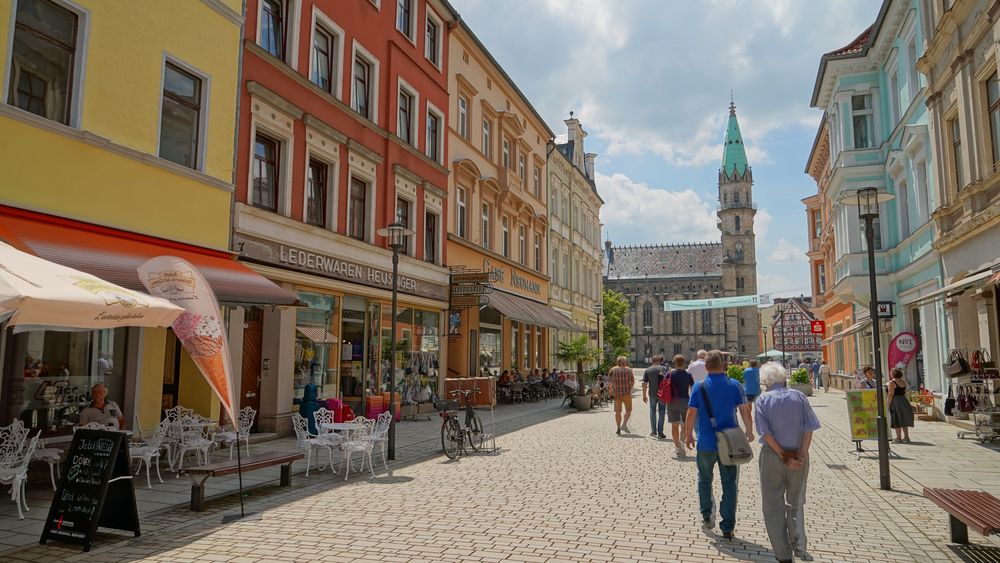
37 294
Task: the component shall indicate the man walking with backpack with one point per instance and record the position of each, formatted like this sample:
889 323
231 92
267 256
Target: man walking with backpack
720 396
652 378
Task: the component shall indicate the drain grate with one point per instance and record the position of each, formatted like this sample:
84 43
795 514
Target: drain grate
838 466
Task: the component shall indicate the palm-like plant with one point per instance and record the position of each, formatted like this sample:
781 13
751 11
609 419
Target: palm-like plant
577 351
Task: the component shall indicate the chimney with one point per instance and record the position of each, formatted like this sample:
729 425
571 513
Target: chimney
589 159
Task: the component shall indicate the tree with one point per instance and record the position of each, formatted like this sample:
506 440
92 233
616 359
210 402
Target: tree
577 351
616 333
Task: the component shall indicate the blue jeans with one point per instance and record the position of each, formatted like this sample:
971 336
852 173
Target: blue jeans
730 475
818 380
656 406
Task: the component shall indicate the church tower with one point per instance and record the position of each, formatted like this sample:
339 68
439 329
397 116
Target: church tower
736 211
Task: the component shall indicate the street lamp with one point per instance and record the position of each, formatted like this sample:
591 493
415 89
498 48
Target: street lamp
599 309
648 330
396 233
867 201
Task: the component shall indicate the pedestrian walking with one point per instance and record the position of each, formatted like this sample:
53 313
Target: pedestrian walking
620 384
681 383
697 368
785 421
751 383
825 373
725 396
817 378
900 409
651 379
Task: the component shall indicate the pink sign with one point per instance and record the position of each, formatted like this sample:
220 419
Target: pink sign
902 349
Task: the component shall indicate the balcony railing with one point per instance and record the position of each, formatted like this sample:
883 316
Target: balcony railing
735 205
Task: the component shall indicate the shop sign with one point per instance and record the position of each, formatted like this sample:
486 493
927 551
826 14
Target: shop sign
316 263
817 327
471 289
465 301
475 277
515 279
902 349
885 309
862 410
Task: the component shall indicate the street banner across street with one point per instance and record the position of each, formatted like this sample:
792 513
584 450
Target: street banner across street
199 328
720 303
862 410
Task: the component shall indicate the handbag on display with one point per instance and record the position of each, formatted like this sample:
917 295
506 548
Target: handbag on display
949 403
987 368
966 400
957 365
734 448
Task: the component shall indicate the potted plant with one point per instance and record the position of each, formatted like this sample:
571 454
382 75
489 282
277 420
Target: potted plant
578 351
800 381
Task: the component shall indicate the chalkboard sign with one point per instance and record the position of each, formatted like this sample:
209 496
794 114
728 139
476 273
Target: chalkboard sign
96 490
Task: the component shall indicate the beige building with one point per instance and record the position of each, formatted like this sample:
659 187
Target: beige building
574 235
498 221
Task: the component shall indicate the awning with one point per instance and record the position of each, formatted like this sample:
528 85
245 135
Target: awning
856 327
317 334
531 312
973 280
114 256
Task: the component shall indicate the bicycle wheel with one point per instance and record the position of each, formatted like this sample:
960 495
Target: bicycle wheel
451 438
475 428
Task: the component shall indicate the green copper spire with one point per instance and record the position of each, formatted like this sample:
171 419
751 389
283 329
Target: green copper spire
734 155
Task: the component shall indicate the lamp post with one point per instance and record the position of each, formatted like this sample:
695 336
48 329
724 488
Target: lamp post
396 233
599 309
648 330
867 201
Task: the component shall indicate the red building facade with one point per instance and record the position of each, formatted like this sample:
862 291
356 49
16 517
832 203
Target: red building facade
343 117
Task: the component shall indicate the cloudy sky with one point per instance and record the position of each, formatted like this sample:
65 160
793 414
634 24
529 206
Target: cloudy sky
651 82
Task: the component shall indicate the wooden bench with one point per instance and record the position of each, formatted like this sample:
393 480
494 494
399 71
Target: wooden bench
202 473
976 509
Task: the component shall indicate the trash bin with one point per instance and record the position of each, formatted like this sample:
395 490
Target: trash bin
308 405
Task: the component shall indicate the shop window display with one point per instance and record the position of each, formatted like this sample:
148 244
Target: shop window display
315 344
54 372
490 349
418 353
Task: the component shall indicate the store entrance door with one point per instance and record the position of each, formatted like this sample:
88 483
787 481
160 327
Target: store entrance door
171 373
253 322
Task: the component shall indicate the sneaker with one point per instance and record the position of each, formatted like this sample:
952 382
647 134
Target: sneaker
802 554
652 434
727 535
681 452
907 440
661 436
708 523
619 431
897 441
625 429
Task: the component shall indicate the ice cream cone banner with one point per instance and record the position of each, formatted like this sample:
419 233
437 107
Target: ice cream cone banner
199 328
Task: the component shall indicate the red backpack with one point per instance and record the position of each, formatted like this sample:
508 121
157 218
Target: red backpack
665 392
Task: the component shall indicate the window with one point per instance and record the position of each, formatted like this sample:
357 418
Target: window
505 237
357 214
362 87
265 173
817 224
863 120
486 139
675 322
404 18
565 271
324 59
461 218
956 150
44 51
403 217
821 277
894 97
706 321
486 226
521 173
877 228
737 223
677 348
272 27
911 67
505 154
432 45
647 316
316 194
430 237
554 206
554 271
463 117
993 99
522 245
180 116
405 126
433 136
537 182
538 252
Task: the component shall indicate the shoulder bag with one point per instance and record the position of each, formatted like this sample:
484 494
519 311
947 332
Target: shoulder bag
665 390
957 365
734 448
949 403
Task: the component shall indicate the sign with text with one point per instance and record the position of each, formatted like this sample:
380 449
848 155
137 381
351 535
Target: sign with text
475 277
902 349
718 303
862 411
885 309
471 289
96 490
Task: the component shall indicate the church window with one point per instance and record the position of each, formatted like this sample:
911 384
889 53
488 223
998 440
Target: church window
736 197
706 321
737 223
675 322
647 315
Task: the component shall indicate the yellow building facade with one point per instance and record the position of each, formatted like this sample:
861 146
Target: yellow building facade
117 129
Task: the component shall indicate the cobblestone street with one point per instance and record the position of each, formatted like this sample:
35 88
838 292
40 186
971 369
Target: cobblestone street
567 488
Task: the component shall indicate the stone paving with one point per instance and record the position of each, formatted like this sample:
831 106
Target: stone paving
566 488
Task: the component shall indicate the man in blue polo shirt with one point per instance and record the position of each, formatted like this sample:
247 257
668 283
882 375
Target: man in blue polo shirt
725 396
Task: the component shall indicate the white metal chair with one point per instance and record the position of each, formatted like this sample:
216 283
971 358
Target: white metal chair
324 417
51 456
149 449
191 438
90 426
15 474
310 442
381 434
230 437
176 413
12 438
360 438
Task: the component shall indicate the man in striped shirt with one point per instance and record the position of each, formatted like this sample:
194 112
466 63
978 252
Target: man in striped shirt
621 382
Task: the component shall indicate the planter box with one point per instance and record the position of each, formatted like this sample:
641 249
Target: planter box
581 402
804 387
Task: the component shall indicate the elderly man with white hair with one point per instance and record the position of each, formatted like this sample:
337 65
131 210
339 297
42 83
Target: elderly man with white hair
785 422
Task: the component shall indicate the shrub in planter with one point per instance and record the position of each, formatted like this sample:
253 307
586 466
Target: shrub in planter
735 372
800 375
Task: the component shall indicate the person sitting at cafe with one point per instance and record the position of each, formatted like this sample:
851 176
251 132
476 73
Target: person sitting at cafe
570 381
101 410
554 375
504 378
518 378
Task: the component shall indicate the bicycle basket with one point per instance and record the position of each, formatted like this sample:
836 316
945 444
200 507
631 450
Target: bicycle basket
446 405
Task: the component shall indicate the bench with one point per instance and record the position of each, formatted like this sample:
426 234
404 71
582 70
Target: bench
976 509
202 473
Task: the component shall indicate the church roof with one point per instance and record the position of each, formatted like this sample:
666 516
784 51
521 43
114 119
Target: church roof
663 261
734 154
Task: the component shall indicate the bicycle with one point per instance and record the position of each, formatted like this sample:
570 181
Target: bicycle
453 436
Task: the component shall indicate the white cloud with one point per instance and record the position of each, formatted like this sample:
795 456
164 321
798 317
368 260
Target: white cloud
786 252
637 212
762 225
